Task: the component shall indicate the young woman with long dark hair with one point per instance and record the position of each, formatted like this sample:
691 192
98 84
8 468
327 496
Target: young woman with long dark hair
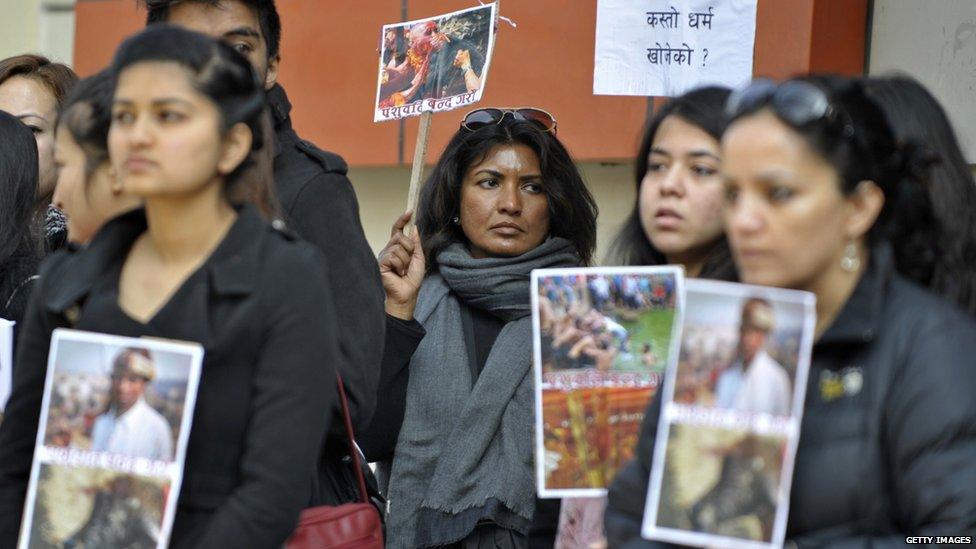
677 216
197 263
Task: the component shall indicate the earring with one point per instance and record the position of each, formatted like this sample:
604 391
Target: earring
456 220
850 262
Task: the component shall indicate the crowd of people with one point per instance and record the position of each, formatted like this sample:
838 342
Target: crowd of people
168 196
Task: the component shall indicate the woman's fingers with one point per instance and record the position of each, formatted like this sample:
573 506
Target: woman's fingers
401 222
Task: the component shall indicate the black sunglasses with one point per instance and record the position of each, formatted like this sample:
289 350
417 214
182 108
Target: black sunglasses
797 102
480 118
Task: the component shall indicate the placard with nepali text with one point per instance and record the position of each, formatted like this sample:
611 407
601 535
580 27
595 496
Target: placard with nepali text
111 441
667 47
434 64
730 417
603 340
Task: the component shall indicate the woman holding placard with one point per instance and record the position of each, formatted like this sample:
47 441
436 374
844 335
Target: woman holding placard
455 424
820 197
198 263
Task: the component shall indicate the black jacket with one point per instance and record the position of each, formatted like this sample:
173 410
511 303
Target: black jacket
895 458
268 329
318 203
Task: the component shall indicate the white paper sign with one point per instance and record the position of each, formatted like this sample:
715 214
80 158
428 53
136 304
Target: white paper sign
667 47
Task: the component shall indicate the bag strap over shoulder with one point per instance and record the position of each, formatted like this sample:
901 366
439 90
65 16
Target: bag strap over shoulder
353 450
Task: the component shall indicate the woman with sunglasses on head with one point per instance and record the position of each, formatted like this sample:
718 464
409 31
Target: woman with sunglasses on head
821 198
915 115
455 422
87 192
198 263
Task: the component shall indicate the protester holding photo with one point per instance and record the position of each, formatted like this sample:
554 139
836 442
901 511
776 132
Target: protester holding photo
32 88
20 246
197 264
821 197
455 425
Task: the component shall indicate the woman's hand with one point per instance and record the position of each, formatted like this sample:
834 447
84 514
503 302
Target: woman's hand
402 269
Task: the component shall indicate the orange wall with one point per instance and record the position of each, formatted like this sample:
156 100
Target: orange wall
329 51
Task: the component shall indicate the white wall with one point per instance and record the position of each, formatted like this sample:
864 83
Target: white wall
934 41
46 27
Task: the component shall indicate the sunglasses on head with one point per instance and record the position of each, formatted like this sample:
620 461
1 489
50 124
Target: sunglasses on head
797 102
480 118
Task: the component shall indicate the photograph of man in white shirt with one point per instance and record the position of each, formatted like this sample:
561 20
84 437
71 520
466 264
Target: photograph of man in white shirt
754 381
130 426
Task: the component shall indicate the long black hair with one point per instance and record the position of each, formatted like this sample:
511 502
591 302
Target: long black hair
916 116
572 210
18 179
227 78
854 137
704 109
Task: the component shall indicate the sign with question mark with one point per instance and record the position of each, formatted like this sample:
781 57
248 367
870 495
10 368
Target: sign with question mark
667 47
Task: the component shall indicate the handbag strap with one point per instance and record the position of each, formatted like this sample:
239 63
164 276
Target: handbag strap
353 451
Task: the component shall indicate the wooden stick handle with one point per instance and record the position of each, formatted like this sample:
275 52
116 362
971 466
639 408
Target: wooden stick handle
417 173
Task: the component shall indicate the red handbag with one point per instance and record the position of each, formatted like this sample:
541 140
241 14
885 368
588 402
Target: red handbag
347 526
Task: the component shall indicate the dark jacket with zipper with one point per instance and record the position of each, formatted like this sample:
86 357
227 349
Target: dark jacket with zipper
270 342
894 453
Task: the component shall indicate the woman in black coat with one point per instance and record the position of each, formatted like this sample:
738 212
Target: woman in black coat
196 264
820 198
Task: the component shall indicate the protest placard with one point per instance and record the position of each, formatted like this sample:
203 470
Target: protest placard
435 64
6 361
603 338
730 417
111 441
667 47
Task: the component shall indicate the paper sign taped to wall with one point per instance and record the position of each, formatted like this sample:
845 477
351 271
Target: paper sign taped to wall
667 47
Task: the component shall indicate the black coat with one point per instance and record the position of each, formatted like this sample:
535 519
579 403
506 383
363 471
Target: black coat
318 203
268 329
896 457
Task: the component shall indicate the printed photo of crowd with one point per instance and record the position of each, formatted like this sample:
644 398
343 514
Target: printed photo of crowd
604 342
610 322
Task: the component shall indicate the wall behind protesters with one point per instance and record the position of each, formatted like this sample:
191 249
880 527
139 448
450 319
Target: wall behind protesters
37 26
329 52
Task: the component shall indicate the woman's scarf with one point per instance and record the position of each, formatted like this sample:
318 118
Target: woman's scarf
465 450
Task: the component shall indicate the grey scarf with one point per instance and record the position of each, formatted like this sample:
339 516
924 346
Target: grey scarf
466 453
